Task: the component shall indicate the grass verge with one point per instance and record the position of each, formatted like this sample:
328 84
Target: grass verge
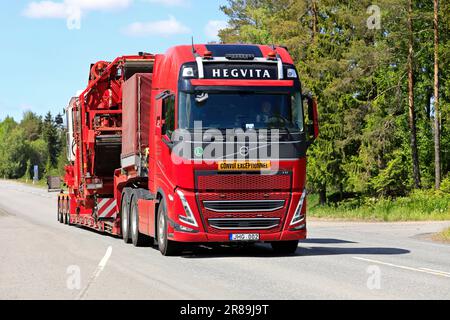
418 206
39 184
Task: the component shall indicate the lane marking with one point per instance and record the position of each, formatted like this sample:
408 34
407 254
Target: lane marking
437 271
101 266
423 270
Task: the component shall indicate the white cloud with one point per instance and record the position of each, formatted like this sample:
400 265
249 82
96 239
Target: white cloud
46 9
213 27
99 4
163 28
63 10
170 3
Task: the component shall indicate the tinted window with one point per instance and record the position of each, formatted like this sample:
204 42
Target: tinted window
168 112
241 110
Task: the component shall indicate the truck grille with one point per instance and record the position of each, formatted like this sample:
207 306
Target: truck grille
245 205
235 182
244 224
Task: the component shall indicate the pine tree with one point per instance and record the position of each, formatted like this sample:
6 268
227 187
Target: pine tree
437 122
50 135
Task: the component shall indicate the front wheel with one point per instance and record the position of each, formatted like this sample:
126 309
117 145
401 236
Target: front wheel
167 247
285 247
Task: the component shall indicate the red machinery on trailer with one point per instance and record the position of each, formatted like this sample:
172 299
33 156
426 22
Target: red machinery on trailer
128 177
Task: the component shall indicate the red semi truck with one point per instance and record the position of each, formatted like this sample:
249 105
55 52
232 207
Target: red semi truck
203 144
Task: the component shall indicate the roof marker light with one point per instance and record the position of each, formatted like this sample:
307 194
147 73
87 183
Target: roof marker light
208 55
272 55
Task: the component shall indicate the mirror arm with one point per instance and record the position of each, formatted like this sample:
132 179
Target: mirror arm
168 143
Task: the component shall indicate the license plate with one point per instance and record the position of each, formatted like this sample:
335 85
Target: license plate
245 166
244 237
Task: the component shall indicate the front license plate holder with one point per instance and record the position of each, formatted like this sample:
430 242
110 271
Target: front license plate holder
244 237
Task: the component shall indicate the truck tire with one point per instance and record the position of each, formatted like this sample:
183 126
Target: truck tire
166 247
68 212
138 239
285 247
125 217
63 211
60 213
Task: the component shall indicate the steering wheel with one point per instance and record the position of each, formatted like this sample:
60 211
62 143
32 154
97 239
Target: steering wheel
279 117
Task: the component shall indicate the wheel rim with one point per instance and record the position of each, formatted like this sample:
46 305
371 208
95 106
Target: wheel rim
124 218
68 211
65 212
161 229
134 221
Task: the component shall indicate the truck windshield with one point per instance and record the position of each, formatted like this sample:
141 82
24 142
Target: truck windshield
241 110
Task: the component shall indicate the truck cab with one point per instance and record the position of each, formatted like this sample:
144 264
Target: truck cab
230 129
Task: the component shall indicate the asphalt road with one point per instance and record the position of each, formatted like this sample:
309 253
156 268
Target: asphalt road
42 259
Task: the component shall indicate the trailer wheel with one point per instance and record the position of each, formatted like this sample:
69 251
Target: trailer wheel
167 247
138 239
68 212
64 211
60 218
285 247
125 217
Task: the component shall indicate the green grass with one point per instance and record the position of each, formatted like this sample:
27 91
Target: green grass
40 184
419 206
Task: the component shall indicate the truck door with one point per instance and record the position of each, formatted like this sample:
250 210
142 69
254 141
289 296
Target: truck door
165 126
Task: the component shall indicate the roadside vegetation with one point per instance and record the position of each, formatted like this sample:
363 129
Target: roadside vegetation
418 206
34 141
381 75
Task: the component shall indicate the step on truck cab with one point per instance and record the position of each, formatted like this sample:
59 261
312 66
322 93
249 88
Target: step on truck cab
202 144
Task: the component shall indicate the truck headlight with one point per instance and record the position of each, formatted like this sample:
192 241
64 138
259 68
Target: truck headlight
189 217
298 217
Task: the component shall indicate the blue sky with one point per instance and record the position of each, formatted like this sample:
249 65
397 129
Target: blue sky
47 46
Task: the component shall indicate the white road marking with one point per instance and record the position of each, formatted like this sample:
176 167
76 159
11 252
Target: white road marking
423 270
437 271
100 268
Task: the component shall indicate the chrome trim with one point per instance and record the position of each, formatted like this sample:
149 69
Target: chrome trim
94 186
201 70
224 59
280 69
225 202
245 219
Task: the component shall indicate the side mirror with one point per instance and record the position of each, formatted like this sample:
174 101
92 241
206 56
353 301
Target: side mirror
313 117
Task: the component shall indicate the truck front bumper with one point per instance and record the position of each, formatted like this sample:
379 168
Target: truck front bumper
202 237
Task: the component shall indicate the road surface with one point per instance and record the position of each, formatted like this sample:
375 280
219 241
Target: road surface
42 259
